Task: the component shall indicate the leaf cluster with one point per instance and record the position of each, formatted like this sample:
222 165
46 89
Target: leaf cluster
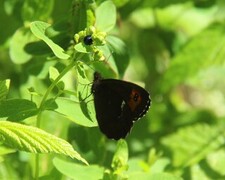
47 119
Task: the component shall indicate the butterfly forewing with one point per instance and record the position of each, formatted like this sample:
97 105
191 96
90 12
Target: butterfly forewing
117 104
135 97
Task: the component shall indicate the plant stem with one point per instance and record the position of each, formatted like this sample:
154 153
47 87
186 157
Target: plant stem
36 175
54 83
70 66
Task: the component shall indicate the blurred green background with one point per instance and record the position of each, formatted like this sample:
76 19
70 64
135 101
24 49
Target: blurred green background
176 49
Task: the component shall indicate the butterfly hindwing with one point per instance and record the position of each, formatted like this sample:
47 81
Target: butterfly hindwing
117 104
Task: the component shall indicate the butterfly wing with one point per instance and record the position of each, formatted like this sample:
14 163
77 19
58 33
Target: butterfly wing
117 104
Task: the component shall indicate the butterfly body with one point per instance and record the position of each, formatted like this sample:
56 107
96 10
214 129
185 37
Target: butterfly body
118 104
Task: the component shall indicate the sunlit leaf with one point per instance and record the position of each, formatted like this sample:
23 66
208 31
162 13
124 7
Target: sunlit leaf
72 110
77 171
17 46
34 140
38 28
104 22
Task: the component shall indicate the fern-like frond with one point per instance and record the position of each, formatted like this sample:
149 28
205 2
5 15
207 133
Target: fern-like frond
35 140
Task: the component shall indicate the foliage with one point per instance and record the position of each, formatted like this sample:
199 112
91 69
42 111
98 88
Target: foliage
174 48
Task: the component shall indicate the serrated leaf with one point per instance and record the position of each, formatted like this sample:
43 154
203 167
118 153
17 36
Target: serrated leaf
17 109
105 16
38 28
77 171
35 140
4 88
191 144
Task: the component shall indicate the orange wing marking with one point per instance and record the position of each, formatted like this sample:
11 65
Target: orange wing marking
135 100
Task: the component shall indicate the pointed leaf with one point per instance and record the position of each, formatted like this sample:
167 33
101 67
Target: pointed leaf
38 28
72 110
35 140
77 171
17 109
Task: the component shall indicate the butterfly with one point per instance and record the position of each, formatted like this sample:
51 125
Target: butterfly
118 104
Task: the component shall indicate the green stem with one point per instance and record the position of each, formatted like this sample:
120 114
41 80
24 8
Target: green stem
70 66
36 175
54 83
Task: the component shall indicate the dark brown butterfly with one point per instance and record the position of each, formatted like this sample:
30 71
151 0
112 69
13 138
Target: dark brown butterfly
118 104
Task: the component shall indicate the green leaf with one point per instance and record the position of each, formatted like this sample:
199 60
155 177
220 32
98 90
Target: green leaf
156 176
72 111
50 104
4 89
76 171
105 16
5 150
216 161
17 109
83 90
143 18
80 47
192 144
38 28
35 140
196 56
120 53
120 157
17 46
53 73
160 165
37 9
